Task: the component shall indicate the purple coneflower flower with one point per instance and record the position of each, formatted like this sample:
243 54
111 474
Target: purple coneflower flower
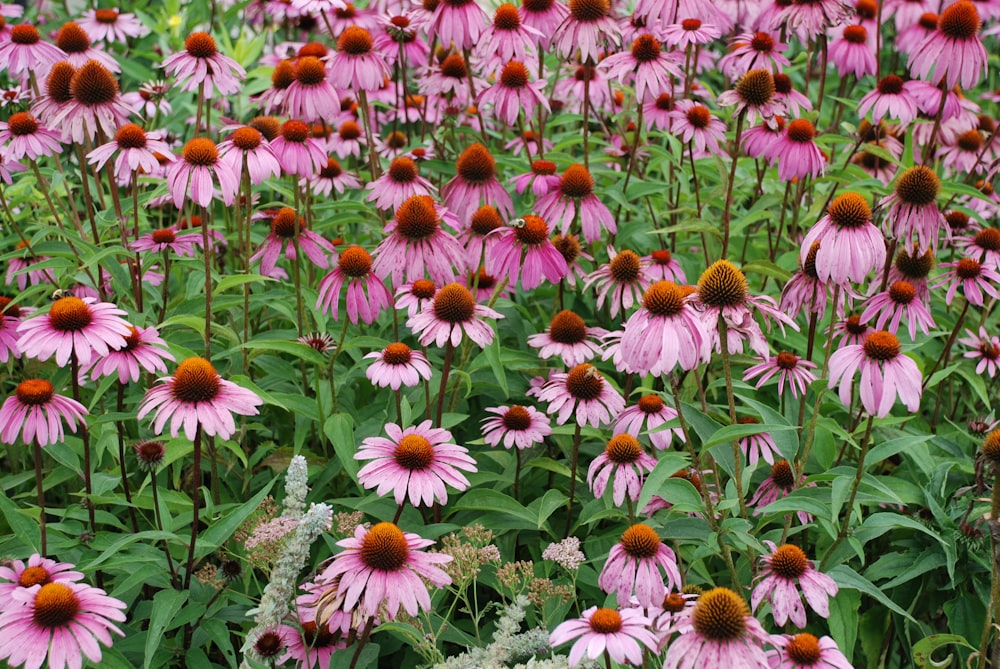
542 178
785 93
515 425
913 214
110 25
24 137
513 94
757 446
632 566
589 28
509 38
167 239
137 152
196 396
984 246
652 68
298 151
753 96
398 34
624 277
10 318
398 183
575 197
36 412
332 177
796 153
662 266
545 16
397 365
850 246
652 411
452 313
694 123
247 145
143 349
568 337
528 236
751 51
74 327
25 53
784 568
192 175
418 245
309 645
458 21
75 42
288 232
367 296
717 632
791 368
851 53
885 374
95 107
665 332
852 329
621 634
37 571
582 391
974 278
689 32
890 306
777 485
891 98
803 651
953 52
201 65
984 347
414 296
476 183
356 66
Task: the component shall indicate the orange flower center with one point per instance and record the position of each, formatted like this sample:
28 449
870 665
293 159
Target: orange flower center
55 605
646 48
33 576
576 182
756 87
720 615
106 15
397 354
640 541
201 152
200 45
902 292
196 381
414 452
584 382
69 314
384 548
723 285
803 649
355 41
567 328
605 621
485 220
22 123
355 262
789 561
93 84
454 304
960 21
516 418
849 210
507 18
24 34
476 165
586 11
295 131
72 38
34 392
663 298
881 346
514 75
403 170
534 231
801 131
416 218
781 474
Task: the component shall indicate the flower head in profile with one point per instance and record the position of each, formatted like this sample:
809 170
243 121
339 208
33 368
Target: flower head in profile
24 51
110 25
887 308
985 348
788 576
796 152
575 198
451 314
885 374
513 94
851 247
398 183
418 245
623 278
515 425
634 565
624 457
753 96
622 634
582 391
135 152
191 177
200 65
589 29
143 350
357 66
913 216
523 252
719 631
289 234
650 412
953 54
475 183
298 151
22 136
569 338
74 328
805 651
665 332
891 98
247 144
36 412
10 318
788 367
652 69
757 446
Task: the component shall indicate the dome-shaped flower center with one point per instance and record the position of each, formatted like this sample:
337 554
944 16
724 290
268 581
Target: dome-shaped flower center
803 649
690 24
417 218
866 10
384 548
568 246
476 165
70 314
295 131
396 353
8 309
537 6
414 452
514 75
196 381
107 16
454 304
928 21
623 449
646 48
58 83
286 223
485 220
246 138
72 38
991 446
960 21
855 34
762 43
165 236
355 262
268 126
349 11
915 267
967 268
543 167
93 84
918 186
576 182
355 41
723 285
55 605
589 10
605 621
397 139
423 289
902 292
664 102
585 74
130 136
269 644
719 615
801 131
149 453
881 346
21 124
315 636
454 67
283 75
786 360
567 328
699 117
674 602
201 152
34 392
663 298
988 239
957 220
33 576
507 18
349 130
809 266
516 418
640 541
132 339
971 140
403 170
332 169
789 561
584 382
781 474
200 45
891 85
650 404
782 84
849 210
854 326
756 87
533 231
310 71
626 267
24 34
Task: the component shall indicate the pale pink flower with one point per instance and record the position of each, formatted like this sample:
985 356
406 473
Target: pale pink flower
575 198
789 368
582 391
36 413
143 350
665 332
192 176
397 365
367 295
651 68
633 566
850 246
783 569
138 152
110 25
515 425
805 651
451 314
569 338
954 52
885 374
986 348
889 307
717 632
652 411
621 634
201 65
523 252
74 327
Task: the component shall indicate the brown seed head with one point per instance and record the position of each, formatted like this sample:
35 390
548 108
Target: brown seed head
485 220
605 621
476 165
928 21
803 650
454 304
960 21
849 210
34 392
514 75
93 84
295 131
22 123
414 452
890 85
881 346
584 382
918 186
781 474
130 136
200 45
967 268
723 285
537 6
789 561
268 126
663 298
201 151
576 182
646 48
623 449
762 42
649 404
971 140
567 328
58 83
586 11
855 35
25 34
454 66
417 218
640 541
988 239
801 131
403 170
915 267
72 38
355 262
55 606
720 615
355 41
568 246
991 447
70 314
902 292
507 18
516 418
756 87
384 548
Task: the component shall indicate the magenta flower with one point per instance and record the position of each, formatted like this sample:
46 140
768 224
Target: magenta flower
624 277
201 65
311 96
191 176
633 566
415 463
974 278
984 347
688 33
110 25
24 137
196 396
776 486
309 645
137 152
37 413
25 52
513 94
476 183
851 53
891 98
693 122
984 246
652 68
95 106
665 332
367 296
784 92
398 34
460 21
569 338
619 633
529 236
542 178
913 214
717 632
452 313
287 230
74 327
753 51
890 306
10 318
167 239
783 569
75 42
59 623
356 66
332 177
298 151
803 651
662 266
575 197
584 392
885 374
757 446
788 367
399 183
797 154
623 456
509 38
851 247
414 296
397 365
953 52
248 145
544 16
515 425
589 28
418 245
753 96
385 566
143 349
652 411
17 575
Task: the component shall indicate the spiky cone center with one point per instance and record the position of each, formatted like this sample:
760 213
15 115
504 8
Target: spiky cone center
781 474
576 182
640 541
960 21
476 165
33 576
786 360
650 404
22 123
762 43
417 218
165 236
586 11
133 339
514 75
485 220
916 266
55 605
918 186
201 152
423 289
247 138
8 309
854 325
646 48
355 41
782 83
295 131
355 262
268 126
789 561
623 449
149 453
809 266
674 602
414 452
902 292
968 268
855 34
882 346
971 140
989 351
568 246
605 621
890 85
196 381
928 21
532 231
699 117
93 84
349 130
988 239
200 45
625 267
664 102
720 615
454 304
567 328
283 75
332 169
849 210
34 392
70 314
584 382
723 285
58 85
661 257
663 298
25 34
537 6
310 71
269 644
516 418
384 548
403 170
756 87
991 447
803 650
286 223
507 18
454 66
72 38
801 131
130 136
397 353
106 16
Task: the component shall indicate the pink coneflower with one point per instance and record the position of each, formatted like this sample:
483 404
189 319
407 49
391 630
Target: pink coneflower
288 229
964 152
143 349
515 426
96 106
10 318
167 239
652 68
889 307
850 246
885 374
658 112
191 176
298 151
652 411
984 347
401 181
201 65
572 252
624 277
447 84
851 53
545 16
37 571
451 314
332 177
913 214
25 53
789 367
984 246
542 178
804 651
196 396
74 327
398 34
513 94
37 413
414 296
110 25
19 269
589 28
458 21
751 51
852 330
508 39
309 645
753 96
804 290
689 32
891 98
571 90
529 236
661 265
384 566
59 623
569 338
633 566
367 296
582 391
137 152
476 183
665 332
150 99
797 154
24 137
478 241
694 123
761 140
575 198
718 632
356 66
974 278
349 139
527 142
417 244
757 446
784 568
75 42
953 52
620 634
785 93
397 365
247 144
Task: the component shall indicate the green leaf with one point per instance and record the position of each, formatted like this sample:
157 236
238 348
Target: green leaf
547 505
303 351
767 268
733 432
669 464
23 527
844 621
484 499
221 530
846 577
339 429
923 650
233 280
492 353
166 604
893 446
151 536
